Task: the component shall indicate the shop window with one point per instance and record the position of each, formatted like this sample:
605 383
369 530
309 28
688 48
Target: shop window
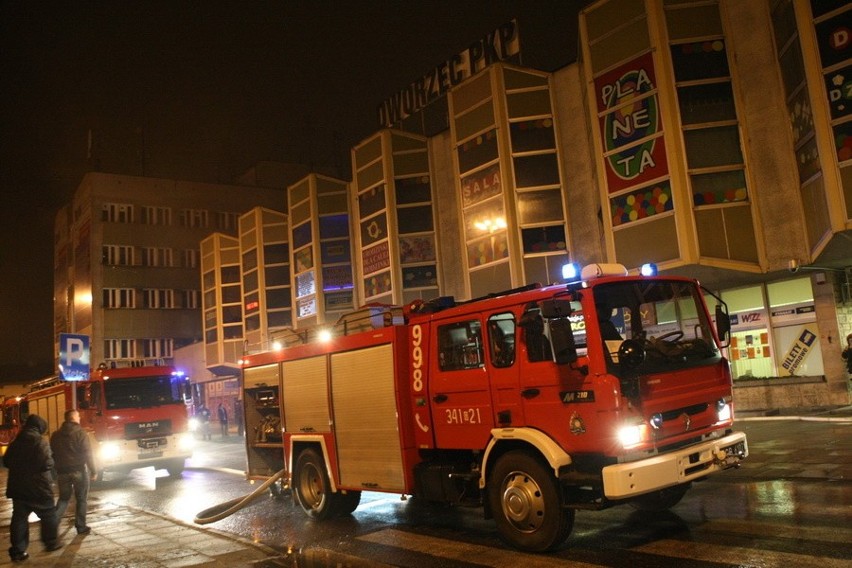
794 328
774 331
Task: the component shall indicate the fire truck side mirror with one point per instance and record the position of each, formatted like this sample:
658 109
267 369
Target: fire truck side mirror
556 308
723 325
564 348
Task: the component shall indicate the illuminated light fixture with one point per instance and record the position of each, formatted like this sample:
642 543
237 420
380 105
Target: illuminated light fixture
648 269
324 335
571 272
277 346
491 225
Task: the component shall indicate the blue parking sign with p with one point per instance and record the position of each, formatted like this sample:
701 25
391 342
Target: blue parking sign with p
73 357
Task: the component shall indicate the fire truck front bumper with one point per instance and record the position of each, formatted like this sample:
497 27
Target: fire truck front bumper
687 464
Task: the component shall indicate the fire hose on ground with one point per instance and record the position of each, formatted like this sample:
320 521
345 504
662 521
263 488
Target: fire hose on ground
222 510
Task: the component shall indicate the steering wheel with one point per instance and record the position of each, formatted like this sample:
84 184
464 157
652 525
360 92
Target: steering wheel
671 337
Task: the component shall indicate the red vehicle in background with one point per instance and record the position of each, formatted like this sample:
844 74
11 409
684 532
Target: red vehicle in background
10 421
135 416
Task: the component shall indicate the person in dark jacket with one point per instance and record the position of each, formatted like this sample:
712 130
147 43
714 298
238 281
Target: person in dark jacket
75 465
223 420
30 464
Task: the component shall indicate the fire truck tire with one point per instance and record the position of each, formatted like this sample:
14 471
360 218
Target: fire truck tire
524 498
349 501
661 500
175 468
312 487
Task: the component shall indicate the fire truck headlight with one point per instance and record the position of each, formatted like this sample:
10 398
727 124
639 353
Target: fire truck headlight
110 451
723 409
631 435
186 442
193 424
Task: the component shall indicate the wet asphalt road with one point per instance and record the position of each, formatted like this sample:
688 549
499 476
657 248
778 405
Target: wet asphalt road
789 505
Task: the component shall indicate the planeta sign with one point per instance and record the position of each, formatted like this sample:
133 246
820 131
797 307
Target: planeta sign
630 124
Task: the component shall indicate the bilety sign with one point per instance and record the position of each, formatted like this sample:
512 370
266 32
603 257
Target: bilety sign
799 350
73 357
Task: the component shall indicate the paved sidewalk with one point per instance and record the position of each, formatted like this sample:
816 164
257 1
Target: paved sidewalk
127 537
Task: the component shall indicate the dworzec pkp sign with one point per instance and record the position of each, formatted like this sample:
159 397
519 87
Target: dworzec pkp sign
73 357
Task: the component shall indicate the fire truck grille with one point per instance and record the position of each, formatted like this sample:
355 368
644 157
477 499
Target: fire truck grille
136 430
689 410
151 443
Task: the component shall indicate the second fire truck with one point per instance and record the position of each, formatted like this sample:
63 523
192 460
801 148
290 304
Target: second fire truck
135 416
531 403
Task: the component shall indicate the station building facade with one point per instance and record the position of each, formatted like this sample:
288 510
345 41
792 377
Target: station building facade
709 137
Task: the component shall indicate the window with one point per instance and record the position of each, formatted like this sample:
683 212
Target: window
157 348
119 298
119 348
705 96
460 346
118 255
195 218
227 221
155 256
501 339
190 258
190 299
117 213
159 299
156 215
781 341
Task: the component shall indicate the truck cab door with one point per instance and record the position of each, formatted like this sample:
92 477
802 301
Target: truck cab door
459 388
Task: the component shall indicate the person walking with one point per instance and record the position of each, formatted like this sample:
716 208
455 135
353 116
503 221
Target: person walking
30 464
75 466
847 355
204 417
223 419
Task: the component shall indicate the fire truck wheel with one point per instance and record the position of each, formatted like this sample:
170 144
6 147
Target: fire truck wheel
349 501
175 468
312 487
661 500
524 498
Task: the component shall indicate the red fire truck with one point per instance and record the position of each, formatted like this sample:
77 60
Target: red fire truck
135 416
531 403
10 421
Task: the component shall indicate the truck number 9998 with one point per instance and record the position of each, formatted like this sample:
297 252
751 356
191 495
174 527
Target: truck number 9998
416 358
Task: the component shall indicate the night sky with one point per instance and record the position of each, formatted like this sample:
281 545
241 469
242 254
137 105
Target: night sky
202 91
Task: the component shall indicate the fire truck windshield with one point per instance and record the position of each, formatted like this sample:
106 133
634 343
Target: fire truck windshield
140 392
650 326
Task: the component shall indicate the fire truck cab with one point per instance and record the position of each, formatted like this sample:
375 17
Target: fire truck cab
135 416
530 403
